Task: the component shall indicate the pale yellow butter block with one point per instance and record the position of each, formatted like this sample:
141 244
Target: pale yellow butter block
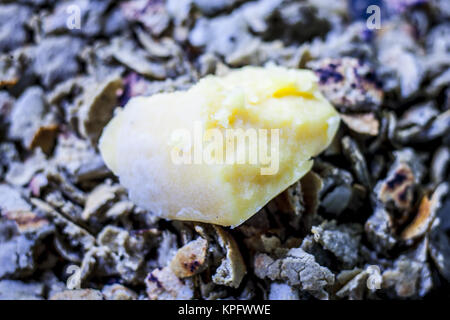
166 149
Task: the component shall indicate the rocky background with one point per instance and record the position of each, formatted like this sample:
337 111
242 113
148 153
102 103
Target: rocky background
370 221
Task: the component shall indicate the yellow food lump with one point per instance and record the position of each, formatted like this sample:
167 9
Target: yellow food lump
218 152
